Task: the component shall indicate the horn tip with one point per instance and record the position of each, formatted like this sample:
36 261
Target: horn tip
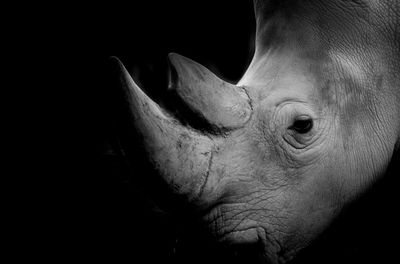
172 55
173 58
117 64
176 59
115 59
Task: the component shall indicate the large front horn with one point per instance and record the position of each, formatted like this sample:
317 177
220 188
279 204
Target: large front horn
181 155
222 104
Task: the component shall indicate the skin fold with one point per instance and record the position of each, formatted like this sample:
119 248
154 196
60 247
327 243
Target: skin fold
312 124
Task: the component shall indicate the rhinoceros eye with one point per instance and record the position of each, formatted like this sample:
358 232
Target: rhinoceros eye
302 124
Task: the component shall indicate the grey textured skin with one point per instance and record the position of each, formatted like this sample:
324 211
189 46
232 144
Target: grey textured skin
336 62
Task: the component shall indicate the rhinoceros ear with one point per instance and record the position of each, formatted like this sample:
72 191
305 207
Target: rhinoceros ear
221 104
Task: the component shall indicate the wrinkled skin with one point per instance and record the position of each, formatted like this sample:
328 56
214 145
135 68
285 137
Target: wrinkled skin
333 65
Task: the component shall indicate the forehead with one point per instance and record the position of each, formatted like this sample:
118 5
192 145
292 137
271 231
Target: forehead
334 73
293 80
284 74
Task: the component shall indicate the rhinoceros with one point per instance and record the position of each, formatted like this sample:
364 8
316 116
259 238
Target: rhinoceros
311 125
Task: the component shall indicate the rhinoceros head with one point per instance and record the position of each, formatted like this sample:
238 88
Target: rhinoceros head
311 124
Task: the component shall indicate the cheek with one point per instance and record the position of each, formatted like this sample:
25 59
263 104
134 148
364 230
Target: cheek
328 180
358 160
317 180
313 201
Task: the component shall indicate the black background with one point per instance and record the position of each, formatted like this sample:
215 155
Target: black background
105 214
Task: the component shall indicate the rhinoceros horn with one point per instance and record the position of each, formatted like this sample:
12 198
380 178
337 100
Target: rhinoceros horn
180 154
223 105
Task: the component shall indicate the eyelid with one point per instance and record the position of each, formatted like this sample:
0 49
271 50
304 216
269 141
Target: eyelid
303 117
304 114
